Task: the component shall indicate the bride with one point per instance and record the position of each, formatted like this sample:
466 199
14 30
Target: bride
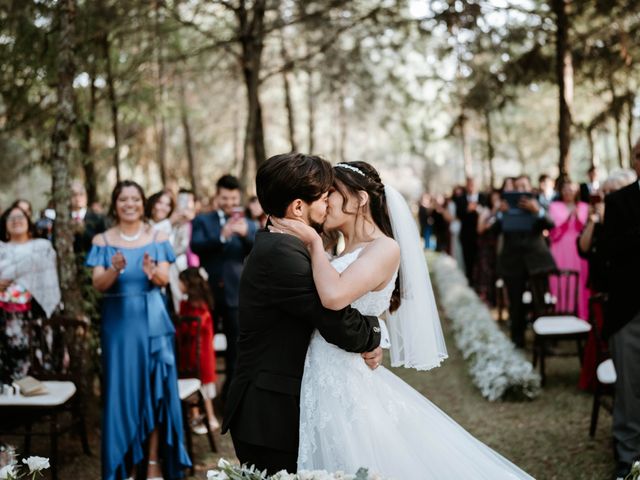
351 416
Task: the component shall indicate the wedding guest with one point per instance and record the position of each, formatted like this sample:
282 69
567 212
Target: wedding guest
622 318
591 247
569 216
44 225
86 223
159 208
426 219
180 238
546 191
199 303
25 205
441 221
508 184
29 291
222 239
467 204
455 225
255 212
591 187
524 252
485 275
130 263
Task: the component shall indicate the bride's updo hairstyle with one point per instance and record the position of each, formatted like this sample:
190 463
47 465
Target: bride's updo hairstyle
354 177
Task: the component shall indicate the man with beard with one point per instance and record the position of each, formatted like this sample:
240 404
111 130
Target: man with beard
279 309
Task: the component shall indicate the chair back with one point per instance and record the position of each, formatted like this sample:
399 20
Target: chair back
58 349
555 292
188 342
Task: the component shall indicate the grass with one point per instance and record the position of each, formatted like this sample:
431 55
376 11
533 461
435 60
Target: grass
547 437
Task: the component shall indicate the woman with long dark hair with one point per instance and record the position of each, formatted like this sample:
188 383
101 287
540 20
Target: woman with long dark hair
29 292
351 416
142 413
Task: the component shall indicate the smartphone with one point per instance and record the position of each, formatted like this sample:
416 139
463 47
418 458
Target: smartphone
183 201
237 213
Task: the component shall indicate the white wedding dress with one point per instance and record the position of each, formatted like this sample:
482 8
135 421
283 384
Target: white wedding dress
352 417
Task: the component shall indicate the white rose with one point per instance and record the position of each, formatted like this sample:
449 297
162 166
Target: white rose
36 464
216 475
7 472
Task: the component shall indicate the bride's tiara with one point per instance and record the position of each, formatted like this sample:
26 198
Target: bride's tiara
352 168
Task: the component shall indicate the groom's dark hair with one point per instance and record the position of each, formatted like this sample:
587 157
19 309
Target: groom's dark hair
288 176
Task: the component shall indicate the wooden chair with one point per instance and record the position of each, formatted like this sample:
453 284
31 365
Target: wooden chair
189 384
606 371
556 315
59 363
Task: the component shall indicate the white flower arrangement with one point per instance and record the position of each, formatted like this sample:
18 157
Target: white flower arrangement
495 365
634 474
229 471
15 471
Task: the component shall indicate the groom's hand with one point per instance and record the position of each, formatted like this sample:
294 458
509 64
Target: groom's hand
373 359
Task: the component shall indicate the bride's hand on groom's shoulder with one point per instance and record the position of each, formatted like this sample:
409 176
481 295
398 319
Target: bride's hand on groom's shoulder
294 227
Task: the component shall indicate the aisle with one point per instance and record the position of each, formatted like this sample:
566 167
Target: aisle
547 437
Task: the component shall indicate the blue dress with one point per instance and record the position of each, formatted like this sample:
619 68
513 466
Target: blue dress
139 368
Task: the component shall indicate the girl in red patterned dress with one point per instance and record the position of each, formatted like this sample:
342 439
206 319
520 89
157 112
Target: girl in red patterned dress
198 303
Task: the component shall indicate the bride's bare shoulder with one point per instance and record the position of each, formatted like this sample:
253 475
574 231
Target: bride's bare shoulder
384 248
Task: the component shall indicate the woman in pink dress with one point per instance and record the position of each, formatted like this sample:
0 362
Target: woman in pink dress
570 216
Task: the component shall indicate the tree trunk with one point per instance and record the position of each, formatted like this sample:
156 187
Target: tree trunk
113 104
631 100
490 148
342 119
466 149
287 97
252 42
161 132
594 159
60 160
188 140
85 131
564 74
617 120
311 107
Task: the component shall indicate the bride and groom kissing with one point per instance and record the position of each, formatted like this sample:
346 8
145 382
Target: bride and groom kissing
309 392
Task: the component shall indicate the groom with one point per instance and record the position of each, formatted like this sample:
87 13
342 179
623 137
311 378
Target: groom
279 309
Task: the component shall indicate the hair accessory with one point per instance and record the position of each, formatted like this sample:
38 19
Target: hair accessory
203 273
352 168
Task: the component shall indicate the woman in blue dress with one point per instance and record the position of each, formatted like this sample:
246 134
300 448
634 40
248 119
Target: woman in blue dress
141 404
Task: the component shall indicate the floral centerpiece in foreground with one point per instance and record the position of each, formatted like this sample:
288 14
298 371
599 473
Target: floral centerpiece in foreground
496 367
229 471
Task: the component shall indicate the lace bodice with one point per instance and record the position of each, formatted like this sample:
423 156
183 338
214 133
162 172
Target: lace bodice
329 369
372 303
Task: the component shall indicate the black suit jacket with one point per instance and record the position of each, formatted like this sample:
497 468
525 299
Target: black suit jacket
279 309
622 247
526 253
223 261
468 220
94 224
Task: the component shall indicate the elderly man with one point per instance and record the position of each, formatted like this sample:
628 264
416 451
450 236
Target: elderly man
622 320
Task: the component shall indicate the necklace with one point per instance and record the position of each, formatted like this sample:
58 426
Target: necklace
130 238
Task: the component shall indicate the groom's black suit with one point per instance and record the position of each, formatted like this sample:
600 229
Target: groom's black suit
279 309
